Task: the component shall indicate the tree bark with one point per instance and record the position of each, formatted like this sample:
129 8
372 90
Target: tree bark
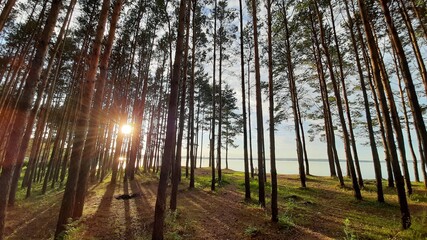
352 140
24 106
89 152
212 140
68 201
329 130
260 122
349 157
294 99
251 160
193 151
176 170
372 141
407 78
168 154
274 208
5 13
245 126
379 79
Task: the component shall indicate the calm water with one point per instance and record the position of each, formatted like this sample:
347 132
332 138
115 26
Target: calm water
318 167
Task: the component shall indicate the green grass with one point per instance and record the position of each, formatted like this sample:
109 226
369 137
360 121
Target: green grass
176 227
366 219
252 231
322 207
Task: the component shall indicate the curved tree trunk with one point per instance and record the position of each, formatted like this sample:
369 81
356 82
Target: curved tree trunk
347 149
372 141
352 139
375 59
410 88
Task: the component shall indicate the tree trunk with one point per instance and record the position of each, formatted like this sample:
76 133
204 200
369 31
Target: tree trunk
36 107
89 152
349 157
329 130
304 146
5 12
251 160
24 106
408 128
352 140
159 214
421 17
176 170
192 83
395 119
294 99
410 88
68 201
372 141
220 100
274 208
212 139
377 108
375 59
421 66
260 122
245 126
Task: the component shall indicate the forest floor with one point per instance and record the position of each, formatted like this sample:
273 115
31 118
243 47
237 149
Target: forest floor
323 210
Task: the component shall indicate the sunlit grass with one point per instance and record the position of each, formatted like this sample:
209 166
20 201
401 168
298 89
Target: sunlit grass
368 218
323 203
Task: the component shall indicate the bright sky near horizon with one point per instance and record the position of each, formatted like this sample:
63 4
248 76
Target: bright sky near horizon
285 134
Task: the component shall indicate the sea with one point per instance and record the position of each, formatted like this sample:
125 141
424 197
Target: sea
318 167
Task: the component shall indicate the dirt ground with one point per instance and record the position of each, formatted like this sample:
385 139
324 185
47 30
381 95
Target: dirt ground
201 214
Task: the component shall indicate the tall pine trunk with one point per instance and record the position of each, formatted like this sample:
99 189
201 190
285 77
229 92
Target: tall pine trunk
372 140
193 149
329 129
379 78
89 152
24 106
5 12
159 215
176 169
259 114
245 126
352 140
294 99
68 201
212 140
274 208
410 88
347 149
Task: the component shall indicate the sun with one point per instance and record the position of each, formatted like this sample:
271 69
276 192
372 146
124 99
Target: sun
127 129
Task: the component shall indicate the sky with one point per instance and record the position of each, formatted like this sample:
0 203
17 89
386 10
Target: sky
285 134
